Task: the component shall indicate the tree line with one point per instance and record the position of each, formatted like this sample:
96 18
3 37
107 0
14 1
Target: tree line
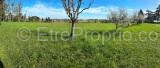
11 10
122 18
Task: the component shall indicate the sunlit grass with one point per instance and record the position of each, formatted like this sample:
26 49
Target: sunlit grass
83 52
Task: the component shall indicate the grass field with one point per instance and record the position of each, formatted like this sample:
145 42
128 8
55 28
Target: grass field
136 46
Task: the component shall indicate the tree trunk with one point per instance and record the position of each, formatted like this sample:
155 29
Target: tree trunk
116 26
72 29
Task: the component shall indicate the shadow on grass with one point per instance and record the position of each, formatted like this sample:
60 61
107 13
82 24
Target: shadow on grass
1 64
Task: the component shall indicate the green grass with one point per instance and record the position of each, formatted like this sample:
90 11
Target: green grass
84 52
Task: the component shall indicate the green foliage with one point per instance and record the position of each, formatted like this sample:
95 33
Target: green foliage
81 53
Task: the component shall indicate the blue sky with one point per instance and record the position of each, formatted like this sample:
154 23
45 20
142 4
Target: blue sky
54 9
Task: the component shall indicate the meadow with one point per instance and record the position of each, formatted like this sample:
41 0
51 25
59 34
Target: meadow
99 45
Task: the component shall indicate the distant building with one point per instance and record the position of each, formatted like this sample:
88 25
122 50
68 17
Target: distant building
34 18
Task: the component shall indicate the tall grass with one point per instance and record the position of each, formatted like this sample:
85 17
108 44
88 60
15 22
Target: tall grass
81 53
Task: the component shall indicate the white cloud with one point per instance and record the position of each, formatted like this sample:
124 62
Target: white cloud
43 11
96 10
100 12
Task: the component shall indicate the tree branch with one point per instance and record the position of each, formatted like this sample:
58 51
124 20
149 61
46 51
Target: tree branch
86 7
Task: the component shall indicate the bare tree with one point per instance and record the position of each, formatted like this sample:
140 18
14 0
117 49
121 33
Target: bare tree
119 17
123 15
14 9
2 10
114 17
73 9
10 9
134 17
19 10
